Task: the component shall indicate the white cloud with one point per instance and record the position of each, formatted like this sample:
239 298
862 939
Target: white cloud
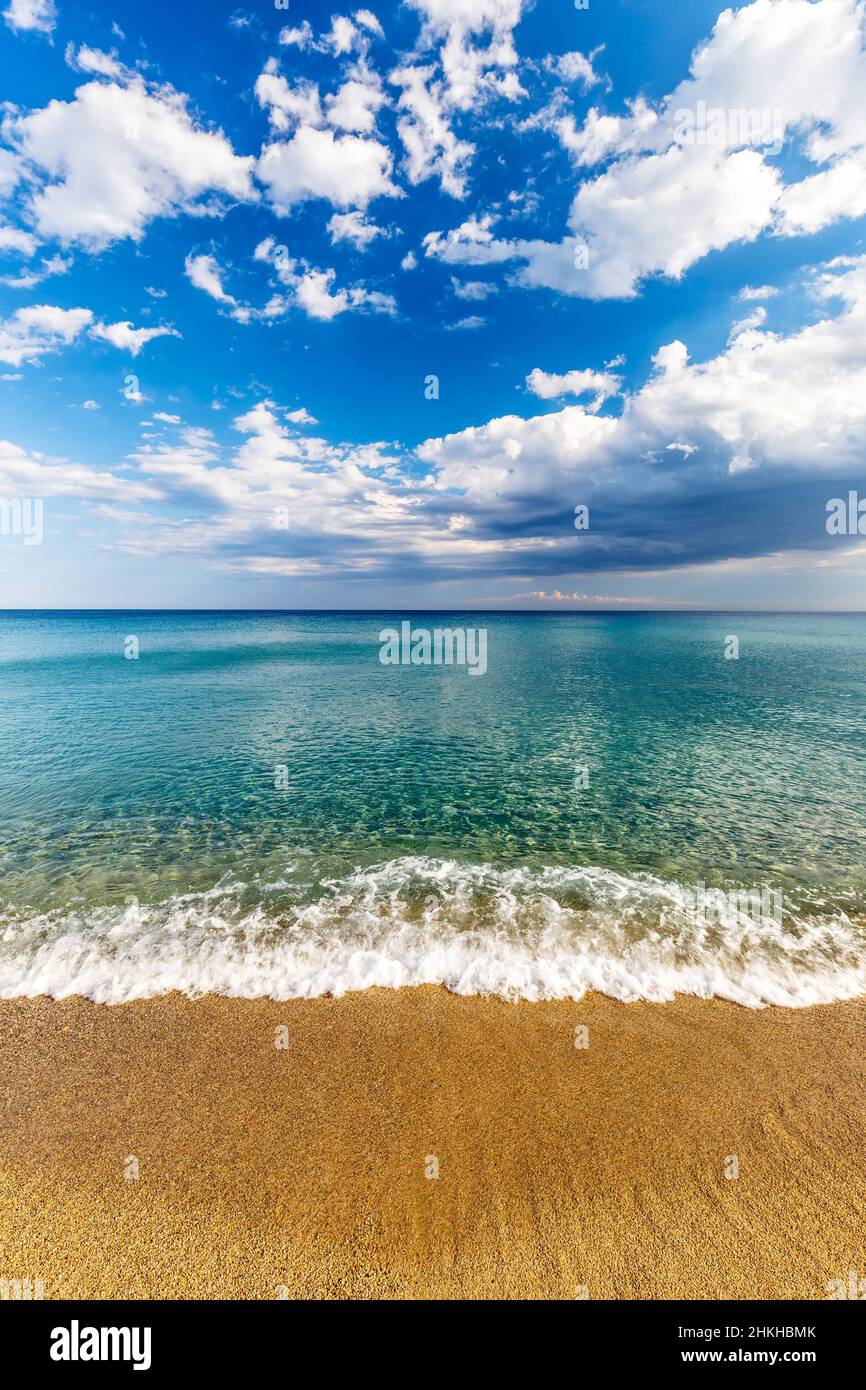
409 261
574 67
129 339
368 20
330 491
28 279
471 321
692 174
557 596
29 334
10 172
343 35
93 60
354 106
468 68
664 212
13 239
38 16
464 77
287 105
206 273
29 473
770 402
114 158
346 170
353 227
755 319
313 294
780 405
299 37
623 247
472 289
351 108
431 147
471 243
749 292
551 385
91 405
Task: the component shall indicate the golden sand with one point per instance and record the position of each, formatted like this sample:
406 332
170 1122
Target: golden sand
305 1171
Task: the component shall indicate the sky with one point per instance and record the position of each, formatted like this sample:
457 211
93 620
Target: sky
312 308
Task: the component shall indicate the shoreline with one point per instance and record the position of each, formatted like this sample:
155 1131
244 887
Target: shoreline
309 1170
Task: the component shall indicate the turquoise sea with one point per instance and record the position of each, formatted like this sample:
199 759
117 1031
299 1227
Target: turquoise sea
257 805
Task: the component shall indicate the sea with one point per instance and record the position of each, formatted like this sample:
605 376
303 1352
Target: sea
259 803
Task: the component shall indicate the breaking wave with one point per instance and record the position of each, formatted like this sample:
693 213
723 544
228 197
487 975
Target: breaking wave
520 933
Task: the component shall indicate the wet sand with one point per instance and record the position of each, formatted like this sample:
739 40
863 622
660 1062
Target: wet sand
307 1171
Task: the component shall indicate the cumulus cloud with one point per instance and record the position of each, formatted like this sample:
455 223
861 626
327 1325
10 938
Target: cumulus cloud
749 292
206 274
129 339
308 288
695 172
33 16
29 278
456 26
13 239
107 163
343 35
353 227
333 496
769 403
288 104
671 478
473 289
353 107
431 147
348 171
314 294
574 67
552 385
94 60
29 334
10 172
297 36
464 74
26 472
368 20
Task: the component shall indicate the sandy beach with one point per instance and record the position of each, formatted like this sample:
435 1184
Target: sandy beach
308 1170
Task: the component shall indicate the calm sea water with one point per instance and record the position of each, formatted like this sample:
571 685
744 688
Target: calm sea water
256 805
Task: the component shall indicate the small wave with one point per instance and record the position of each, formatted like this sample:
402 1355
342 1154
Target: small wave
520 933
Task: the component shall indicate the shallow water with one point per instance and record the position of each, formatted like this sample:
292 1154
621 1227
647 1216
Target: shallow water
256 805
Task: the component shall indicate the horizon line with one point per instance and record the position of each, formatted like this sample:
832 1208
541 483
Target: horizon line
494 612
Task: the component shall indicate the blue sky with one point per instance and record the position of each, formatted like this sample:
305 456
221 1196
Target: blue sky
238 244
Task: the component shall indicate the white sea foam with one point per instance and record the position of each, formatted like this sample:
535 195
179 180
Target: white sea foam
548 933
